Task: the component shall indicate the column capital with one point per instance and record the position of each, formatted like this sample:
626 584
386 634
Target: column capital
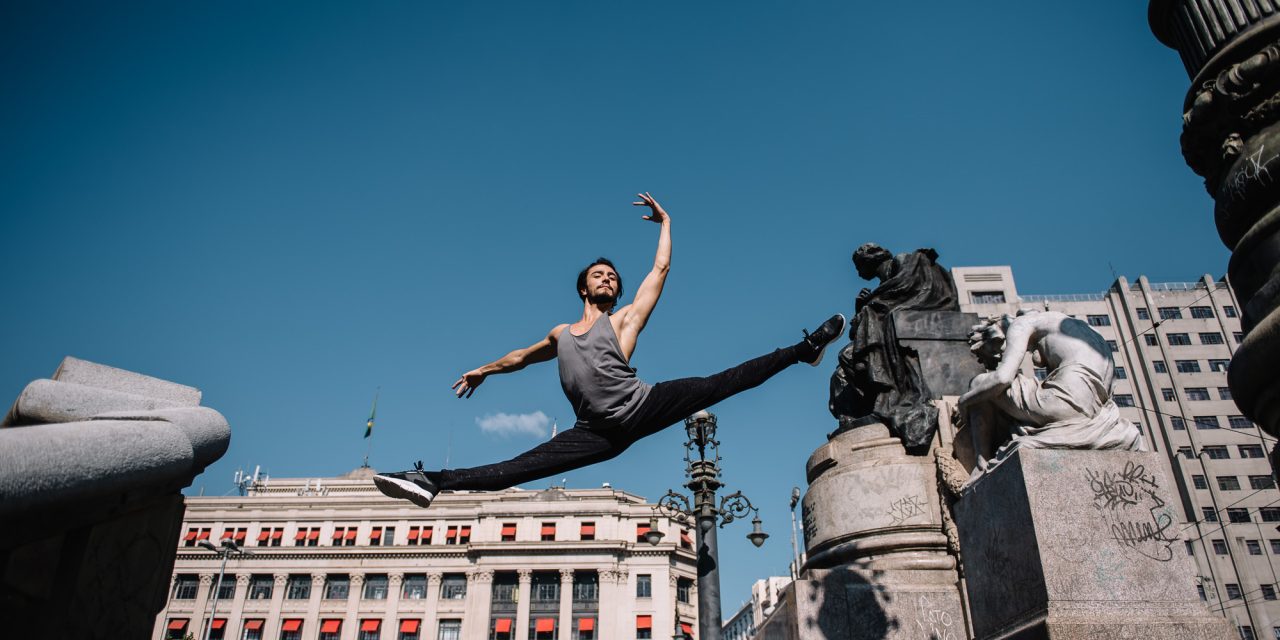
242 580
395 579
480 576
525 576
206 579
357 579
317 579
675 578
435 578
281 579
566 576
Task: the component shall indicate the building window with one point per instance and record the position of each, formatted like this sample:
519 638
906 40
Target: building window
260 587
414 587
1229 311
453 586
987 297
1179 339
1219 366
307 537
194 536
1150 340
1268 592
641 529
545 587
1262 482
1251 451
644 627
1246 632
419 535
370 629
1197 394
1143 313
586 586
1186 452
270 536
464 535
1224 393
1228 483
1121 374
1239 336
291 629
684 587
227 590
1178 424
1209 515
587 531
1167 394
1275 546
375 586
252 629
505 587
451 535
1199 481
686 541
185 587
382 536
1207 422
330 629
1216 452
1187 366
1239 422
1159 366
1211 337
1201 312
1254 547
1200 590
1098 320
449 630
1170 313
1124 400
548 532
298 587
1269 514
1238 515
1219 547
336 586
508 533
644 586
1233 591
1191 551
409 629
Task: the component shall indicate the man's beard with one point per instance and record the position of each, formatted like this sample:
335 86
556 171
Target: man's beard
602 298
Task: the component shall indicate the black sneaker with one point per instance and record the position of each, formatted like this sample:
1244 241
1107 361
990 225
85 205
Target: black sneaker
825 334
412 485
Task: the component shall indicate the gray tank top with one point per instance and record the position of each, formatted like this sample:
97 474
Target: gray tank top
601 386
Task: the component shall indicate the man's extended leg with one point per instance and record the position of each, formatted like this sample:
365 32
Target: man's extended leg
570 449
674 400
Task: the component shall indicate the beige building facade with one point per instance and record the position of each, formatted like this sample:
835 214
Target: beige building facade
1172 343
333 559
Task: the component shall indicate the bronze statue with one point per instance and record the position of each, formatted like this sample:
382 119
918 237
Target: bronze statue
878 379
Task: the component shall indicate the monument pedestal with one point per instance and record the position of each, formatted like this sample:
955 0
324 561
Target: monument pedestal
1067 544
878 563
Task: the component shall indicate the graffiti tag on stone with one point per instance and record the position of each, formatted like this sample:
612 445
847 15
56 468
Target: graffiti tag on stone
904 508
1133 512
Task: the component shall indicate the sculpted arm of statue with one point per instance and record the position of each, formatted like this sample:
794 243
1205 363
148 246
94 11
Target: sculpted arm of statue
540 351
987 385
633 317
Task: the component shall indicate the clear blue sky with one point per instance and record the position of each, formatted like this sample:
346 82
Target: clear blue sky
289 205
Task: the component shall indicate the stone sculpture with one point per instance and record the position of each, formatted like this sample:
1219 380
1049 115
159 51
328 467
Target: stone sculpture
878 379
1072 408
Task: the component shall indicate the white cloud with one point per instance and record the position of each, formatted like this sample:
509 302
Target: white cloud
515 424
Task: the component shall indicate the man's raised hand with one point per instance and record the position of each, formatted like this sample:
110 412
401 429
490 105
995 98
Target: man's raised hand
656 213
466 385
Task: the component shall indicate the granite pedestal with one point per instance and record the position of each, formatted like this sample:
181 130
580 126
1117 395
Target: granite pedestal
1067 544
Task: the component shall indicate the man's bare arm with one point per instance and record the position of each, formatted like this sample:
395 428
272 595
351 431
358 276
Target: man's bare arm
540 351
984 386
637 313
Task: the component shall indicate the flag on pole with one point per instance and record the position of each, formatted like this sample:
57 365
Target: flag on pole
368 427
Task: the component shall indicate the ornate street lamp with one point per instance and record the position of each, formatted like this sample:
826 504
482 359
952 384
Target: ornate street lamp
225 551
702 467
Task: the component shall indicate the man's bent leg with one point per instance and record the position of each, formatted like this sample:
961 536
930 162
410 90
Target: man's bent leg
674 400
570 449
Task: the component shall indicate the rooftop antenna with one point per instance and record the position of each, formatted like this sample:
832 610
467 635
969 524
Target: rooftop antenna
245 482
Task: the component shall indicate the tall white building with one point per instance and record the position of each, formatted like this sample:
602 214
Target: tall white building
334 559
1172 343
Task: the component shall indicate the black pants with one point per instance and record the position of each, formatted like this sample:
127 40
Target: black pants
667 403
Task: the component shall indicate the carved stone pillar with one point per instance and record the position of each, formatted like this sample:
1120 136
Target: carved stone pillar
317 595
237 604
395 582
1231 137
479 597
566 604
522 605
431 619
277 601
351 619
203 595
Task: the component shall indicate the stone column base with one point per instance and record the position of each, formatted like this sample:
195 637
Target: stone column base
1079 544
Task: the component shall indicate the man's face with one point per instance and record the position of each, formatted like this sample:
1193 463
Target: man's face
602 284
867 269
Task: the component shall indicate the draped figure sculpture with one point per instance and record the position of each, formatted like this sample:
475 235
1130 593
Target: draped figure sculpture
877 378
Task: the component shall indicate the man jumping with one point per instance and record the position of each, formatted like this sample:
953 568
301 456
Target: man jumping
614 408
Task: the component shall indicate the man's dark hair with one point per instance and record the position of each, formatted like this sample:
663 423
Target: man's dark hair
582 278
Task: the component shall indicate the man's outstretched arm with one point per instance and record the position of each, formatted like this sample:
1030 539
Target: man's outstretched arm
540 351
637 313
